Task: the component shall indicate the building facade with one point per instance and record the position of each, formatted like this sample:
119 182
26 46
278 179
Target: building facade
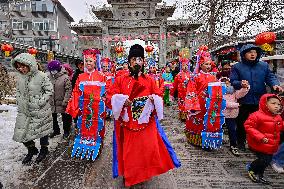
43 24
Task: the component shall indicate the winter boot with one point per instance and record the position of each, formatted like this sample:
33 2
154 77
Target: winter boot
32 150
66 135
42 154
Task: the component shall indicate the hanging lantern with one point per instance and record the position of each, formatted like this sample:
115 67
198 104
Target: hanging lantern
32 51
149 49
267 47
119 50
265 37
7 48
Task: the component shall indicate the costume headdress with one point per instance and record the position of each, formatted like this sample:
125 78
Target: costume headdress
107 61
202 56
93 54
136 51
184 58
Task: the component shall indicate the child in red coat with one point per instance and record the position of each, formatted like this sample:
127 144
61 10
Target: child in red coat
263 135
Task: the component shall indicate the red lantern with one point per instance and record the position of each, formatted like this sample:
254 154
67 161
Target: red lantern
32 51
119 50
7 48
149 49
265 37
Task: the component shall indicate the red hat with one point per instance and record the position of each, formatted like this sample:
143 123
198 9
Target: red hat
106 60
202 56
90 54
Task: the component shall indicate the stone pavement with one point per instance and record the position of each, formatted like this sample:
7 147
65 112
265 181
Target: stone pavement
200 169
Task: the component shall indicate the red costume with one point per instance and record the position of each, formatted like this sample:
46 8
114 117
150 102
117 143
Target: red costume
141 151
87 104
121 73
194 123
158 80
180 84
196 100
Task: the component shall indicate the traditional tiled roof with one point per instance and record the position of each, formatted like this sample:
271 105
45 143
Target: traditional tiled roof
165 7
99 9
182 22
86 24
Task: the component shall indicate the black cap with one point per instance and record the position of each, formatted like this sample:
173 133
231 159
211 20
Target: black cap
136 51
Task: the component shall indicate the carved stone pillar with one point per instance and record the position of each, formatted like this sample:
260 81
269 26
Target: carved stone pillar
163 44
105 42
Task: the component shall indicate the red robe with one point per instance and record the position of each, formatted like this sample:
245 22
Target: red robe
158 80
180 85
73 104
121 73
109 78
139 150
194 123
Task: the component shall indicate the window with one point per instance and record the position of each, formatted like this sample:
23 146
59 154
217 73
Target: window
45 25
25 40
33 6
23 6
4 7
38 26
44 8
3 25
17 25
27 25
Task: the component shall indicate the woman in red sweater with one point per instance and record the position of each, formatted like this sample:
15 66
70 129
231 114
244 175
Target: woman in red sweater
263 135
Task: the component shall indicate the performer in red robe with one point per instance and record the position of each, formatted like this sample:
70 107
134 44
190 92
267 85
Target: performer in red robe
122 67
106 69
180 84
196 99
152 72
87 102
141 149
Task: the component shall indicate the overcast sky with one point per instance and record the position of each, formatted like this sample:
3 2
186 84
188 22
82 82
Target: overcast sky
78 9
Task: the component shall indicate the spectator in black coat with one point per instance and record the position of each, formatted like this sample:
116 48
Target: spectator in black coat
79 70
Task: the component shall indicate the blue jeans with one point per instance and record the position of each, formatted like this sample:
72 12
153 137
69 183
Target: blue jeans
278 157
231 125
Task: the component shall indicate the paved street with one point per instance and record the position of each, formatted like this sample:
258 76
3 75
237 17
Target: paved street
200 169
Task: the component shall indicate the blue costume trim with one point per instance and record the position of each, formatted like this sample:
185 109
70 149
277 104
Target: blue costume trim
88 148
167 143
213 139
114 154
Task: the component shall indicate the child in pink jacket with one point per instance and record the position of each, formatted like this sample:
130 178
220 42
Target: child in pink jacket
232 111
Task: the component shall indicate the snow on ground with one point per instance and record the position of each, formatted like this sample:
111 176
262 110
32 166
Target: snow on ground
11 152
